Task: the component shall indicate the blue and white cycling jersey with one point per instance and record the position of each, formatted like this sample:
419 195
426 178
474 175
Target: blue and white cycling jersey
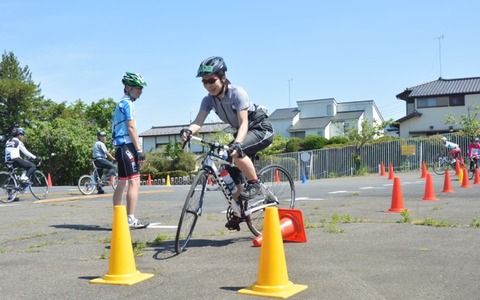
124 111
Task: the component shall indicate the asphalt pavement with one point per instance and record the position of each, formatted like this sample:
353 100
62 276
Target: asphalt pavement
355 248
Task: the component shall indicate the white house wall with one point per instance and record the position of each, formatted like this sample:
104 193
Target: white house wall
281 126
317 108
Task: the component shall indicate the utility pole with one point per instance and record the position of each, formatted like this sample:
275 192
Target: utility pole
290 80
440 38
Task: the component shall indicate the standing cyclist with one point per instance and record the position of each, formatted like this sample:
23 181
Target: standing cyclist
128 151
233 106
100 155
13 147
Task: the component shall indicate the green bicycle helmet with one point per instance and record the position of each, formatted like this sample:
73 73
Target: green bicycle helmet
133 79
212 65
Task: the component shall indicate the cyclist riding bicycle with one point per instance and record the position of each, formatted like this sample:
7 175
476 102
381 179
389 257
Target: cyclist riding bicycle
100 155
454 149
473 152
233 106
13 147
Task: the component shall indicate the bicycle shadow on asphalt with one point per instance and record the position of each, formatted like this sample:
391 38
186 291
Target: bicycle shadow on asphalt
82 227
166 250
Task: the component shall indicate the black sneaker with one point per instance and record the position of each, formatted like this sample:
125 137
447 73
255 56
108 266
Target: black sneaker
100 191
253 189
234 223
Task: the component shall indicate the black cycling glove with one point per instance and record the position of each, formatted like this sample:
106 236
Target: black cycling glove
140 156
237 146
187 133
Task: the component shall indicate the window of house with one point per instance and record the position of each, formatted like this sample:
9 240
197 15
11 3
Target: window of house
329 110
457 100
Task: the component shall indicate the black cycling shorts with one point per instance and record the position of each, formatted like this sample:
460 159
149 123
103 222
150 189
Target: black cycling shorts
127 159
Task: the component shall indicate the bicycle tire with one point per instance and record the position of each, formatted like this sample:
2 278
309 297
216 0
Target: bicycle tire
278 181
86 184
38 185
191 210
439 166
9 186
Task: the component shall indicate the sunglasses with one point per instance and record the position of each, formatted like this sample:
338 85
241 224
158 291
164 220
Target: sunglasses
209 81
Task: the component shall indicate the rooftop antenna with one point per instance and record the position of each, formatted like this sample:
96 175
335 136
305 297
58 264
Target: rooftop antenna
440 38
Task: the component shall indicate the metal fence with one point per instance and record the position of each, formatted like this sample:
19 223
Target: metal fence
404 155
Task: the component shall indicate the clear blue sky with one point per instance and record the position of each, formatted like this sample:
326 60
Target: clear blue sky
348 50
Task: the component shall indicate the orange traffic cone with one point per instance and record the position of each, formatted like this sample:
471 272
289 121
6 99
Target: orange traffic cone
382 169
277 176
429 192
465 181
424 170
397 198
291 226
457 168
49 180
476 178
272 271
210 182
149 180
121 264
391 176
447 184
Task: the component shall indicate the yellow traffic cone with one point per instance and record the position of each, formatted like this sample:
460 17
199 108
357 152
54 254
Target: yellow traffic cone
121 264
168 181
272 272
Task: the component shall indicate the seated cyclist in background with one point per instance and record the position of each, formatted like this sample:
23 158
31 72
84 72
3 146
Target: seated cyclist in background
100 154
233 106
473 152
453 149
13 147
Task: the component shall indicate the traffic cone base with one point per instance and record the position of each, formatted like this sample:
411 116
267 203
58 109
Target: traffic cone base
447 184
291 226
397 198
121 263
429 193
272 278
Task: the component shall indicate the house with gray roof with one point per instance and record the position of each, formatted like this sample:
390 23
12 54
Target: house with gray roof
159 136
428 104
324 117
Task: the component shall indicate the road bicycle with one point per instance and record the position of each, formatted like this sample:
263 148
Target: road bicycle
443 162
11 185
87 184
277 189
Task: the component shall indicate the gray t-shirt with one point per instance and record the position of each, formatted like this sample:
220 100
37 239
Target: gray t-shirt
235 99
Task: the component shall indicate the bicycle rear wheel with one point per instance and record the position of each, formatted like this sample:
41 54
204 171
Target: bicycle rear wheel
9 187
86 185
192 209
277 182
38 185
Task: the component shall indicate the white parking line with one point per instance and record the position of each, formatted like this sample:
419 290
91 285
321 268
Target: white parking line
157 225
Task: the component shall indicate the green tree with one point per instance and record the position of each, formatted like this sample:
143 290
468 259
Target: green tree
469 124
366 133
19 96
311 142
294 144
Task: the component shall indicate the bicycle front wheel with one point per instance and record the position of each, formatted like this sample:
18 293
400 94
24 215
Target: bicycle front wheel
9 187
279 184
441 165
39 185
86 185
192 209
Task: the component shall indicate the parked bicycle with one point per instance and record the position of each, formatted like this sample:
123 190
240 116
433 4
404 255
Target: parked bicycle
87 184
277 189
11 185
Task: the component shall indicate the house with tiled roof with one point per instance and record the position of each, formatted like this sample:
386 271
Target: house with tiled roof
324 117
159 136
428 104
